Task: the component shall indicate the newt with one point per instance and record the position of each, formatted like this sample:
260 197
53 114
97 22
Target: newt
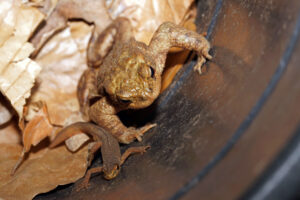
110 150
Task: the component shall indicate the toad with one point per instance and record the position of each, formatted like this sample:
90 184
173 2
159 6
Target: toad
126 74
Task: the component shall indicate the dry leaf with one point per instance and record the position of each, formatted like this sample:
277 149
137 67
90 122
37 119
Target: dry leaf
46 168
5 114
10 134
37 128
63 59
17 71
42 172
90 11
147 15
6 111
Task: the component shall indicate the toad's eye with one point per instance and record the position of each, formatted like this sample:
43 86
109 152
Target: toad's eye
146 71
152 72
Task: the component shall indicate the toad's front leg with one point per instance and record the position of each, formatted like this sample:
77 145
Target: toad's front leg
105 115
171 35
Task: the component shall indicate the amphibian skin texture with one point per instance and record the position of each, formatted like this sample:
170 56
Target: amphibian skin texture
110 150
126 74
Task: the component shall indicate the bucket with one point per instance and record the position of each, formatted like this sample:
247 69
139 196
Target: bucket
231 132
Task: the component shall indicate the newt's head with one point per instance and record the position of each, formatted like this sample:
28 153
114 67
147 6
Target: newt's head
111 172
133 81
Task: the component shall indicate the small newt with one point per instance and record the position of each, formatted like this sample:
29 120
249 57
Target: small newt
110 149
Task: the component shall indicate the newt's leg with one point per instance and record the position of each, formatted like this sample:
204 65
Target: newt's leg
105 115
85 182
132 150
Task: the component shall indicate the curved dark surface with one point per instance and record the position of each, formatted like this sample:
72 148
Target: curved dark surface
280 180
219 134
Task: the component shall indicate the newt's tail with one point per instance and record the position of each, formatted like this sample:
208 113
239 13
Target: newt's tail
79 127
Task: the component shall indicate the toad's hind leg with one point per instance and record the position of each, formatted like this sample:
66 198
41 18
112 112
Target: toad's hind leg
171 35
87 90
100 44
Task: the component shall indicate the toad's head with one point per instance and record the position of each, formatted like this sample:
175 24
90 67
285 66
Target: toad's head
133 81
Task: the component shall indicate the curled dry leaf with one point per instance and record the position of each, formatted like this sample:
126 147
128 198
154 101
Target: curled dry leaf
17 71
147 15
90 11
38 128
41 172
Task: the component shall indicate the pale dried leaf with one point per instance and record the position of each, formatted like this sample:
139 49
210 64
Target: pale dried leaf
147 15
17 71
75 142
63 59
5 110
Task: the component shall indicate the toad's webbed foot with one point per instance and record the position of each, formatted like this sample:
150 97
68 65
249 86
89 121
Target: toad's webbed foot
132 133
105 115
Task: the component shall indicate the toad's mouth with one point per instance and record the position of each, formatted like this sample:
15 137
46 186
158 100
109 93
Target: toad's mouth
124 101
136 102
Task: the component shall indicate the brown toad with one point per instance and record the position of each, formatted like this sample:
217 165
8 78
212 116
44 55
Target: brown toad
126 74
